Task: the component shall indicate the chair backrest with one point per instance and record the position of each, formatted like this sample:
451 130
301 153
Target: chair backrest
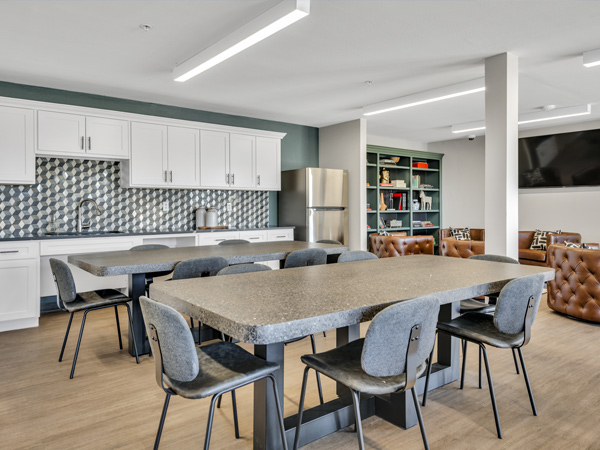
199 267
175 347
329 241
65 283
306 257
391 246
149 247
357 255
512 304
386 342
243 268
234 241
495 258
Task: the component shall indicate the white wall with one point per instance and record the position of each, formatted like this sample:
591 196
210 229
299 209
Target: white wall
397 143
344 146
463 178
568 209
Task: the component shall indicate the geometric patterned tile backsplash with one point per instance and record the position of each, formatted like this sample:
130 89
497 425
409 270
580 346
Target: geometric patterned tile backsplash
62 183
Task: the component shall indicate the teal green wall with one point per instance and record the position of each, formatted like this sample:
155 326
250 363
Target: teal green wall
299 148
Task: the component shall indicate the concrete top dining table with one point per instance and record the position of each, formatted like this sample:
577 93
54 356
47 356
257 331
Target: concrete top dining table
137 264
269 308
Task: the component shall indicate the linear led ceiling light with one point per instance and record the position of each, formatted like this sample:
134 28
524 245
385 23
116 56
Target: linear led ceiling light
421 98
591 58
541 116
270 22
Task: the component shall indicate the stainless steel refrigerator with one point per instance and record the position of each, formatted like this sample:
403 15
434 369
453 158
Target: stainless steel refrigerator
315 201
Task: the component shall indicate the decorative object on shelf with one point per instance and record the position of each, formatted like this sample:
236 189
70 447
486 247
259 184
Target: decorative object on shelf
426 186
416 181
420 165
417 224
384 178
395 223
369 207
397 201
386 162
416 205
396 159
425 201
399 183
382 205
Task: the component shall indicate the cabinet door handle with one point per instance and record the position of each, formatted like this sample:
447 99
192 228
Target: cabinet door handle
9 251
82 143
232 179
165 176
219 240
89 143
254 237
171 176
227 178
259 180
280 236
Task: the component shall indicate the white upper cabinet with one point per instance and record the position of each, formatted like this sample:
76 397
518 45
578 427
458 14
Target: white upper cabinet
241 161
162 156
214 159
268 163
17 156
78 136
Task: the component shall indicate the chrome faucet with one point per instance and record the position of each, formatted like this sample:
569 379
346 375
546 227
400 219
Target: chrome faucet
85 225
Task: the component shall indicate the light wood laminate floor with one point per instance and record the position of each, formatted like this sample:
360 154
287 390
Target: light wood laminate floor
114 403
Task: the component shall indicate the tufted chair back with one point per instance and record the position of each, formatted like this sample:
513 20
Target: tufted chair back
390 246
461 249
575 290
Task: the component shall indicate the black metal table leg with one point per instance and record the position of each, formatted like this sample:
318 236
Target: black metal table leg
137 288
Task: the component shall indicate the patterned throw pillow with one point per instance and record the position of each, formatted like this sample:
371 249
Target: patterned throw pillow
384 233
540 239
573 245
461 235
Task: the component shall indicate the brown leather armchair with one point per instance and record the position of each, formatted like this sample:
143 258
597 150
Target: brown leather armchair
449 246
539 257
575 290
395 245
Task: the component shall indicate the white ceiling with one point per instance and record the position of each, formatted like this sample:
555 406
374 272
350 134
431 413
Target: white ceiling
314 72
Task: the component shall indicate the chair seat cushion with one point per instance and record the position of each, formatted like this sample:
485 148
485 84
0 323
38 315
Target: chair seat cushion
473 305
532 255
480 327
102 297
343 364
223 366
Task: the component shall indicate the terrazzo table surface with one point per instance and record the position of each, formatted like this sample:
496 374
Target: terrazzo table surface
126 262
270 307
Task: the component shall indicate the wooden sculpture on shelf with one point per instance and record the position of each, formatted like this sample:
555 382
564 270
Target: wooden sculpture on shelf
385 177
425 201
382 205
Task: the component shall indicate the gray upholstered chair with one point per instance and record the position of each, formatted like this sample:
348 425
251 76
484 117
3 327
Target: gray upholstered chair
234 241
194 372
389 359
509 327
69 300
150 276
199 267
329 241
357 255
243 268
305 257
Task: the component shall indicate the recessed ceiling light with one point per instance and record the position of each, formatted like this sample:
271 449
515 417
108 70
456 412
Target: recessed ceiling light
369 83
591 58
146 27
421 98
270 22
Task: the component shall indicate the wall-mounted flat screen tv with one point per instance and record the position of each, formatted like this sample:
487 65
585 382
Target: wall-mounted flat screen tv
560 160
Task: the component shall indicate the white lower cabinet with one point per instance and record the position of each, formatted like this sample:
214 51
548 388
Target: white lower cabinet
19 278
216 237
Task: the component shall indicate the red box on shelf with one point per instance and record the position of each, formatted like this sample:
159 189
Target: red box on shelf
421 165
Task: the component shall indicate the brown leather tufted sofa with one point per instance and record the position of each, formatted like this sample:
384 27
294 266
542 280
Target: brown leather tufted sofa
539 257
449 246
575 290
390 246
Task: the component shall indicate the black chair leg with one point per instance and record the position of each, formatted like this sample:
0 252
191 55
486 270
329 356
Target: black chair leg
429 364
480 375
301 408
279 412
314 350
62 350
515 359
211 415
162 421
78 344
526 376
118 328
356 401
135 349
464 364
492 394
235 415
420 418
219 402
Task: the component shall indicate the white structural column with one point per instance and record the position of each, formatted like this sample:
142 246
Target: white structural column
501 155
344 146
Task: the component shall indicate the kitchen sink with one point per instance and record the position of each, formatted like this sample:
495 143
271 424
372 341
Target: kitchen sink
84 233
